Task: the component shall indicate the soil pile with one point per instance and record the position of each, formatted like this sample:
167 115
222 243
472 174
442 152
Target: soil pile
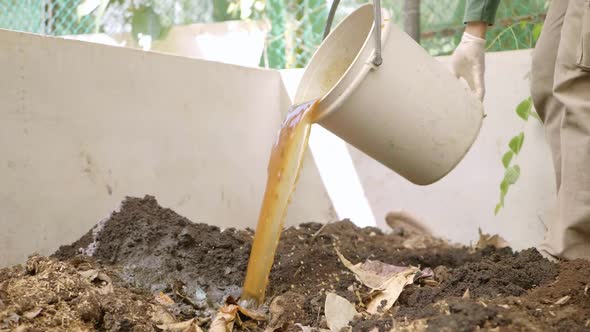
156 258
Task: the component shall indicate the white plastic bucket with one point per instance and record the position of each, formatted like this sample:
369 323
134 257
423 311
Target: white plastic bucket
410 113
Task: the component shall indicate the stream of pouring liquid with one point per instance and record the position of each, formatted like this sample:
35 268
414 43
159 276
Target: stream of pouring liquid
283 171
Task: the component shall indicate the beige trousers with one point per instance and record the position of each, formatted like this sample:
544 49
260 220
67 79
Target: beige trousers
561 94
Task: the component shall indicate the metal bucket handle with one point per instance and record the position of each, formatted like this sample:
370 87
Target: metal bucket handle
377 59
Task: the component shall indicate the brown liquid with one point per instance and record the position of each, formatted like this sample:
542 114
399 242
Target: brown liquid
283 171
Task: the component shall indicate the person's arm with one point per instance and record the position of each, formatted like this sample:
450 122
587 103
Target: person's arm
481 11
468 59
477 29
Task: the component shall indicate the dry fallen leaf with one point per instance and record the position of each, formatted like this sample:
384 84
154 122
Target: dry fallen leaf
186 326
161 316
563 300
106 284
486 240
391 291
310 329
389 280
304 328
89 274
103 281
164 299
228 315
406 221
466 295
32 313
251 313
431 282
426 274
225 318
339 312
417 235
373 274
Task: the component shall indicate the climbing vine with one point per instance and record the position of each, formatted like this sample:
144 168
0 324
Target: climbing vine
512 169
524 110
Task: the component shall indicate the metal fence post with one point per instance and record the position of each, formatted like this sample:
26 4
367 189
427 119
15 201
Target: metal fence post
412 19
47 25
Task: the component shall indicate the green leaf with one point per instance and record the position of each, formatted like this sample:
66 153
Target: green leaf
516 142
497 209
523 24
537 31
524 109
507 158
512 174
146 21
504 187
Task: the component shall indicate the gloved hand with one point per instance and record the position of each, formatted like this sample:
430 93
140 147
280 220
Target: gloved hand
468 62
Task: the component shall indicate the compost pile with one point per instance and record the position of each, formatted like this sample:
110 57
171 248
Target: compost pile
146 268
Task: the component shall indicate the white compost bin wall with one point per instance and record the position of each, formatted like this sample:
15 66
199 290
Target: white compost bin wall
235 42
83 125
457 205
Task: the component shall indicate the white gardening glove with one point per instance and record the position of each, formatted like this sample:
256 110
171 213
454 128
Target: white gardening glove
468 62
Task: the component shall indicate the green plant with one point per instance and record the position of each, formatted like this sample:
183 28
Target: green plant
245 9
525 111
146 21
154 19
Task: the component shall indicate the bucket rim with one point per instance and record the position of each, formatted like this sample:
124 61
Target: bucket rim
363 65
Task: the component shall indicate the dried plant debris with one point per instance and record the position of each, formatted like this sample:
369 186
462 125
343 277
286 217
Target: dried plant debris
48 294
386 281
339 312
417 234
404 220
487 240
186 326
374 274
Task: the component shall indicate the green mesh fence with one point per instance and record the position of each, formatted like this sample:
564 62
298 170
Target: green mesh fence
53 17
518 24
297 25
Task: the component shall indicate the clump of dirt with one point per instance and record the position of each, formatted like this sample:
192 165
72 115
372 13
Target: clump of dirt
191 269
563 305
465 315
162 251
502 273
77 295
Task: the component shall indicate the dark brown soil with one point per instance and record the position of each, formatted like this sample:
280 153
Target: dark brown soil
152 253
